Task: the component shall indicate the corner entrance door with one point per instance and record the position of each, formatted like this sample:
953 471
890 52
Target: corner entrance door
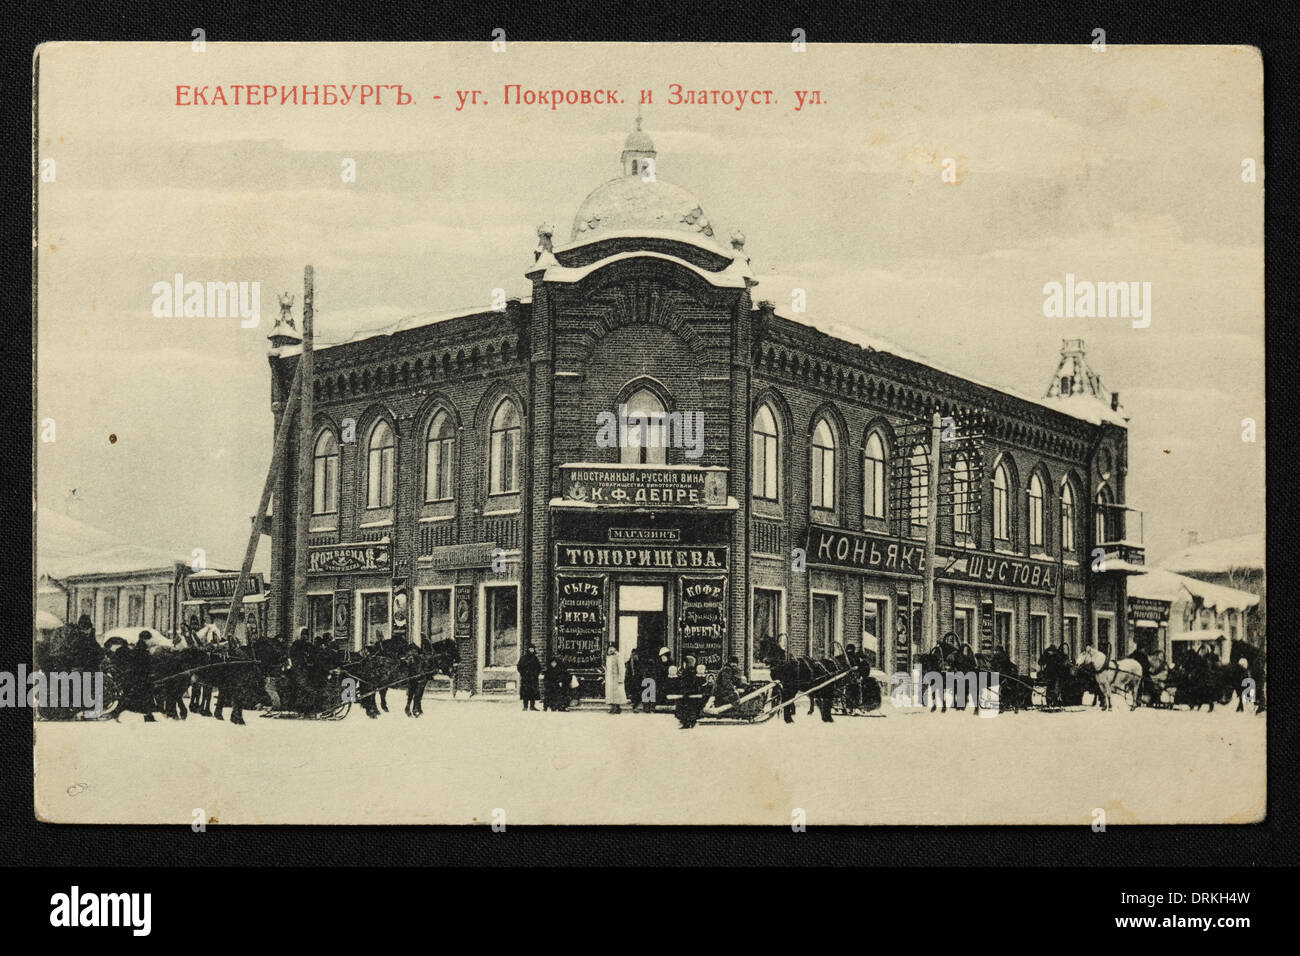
642 619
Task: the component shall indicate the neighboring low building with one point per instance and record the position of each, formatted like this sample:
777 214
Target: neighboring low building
1236 562
1179 611
115 584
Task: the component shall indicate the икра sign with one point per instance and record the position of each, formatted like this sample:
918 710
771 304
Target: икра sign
639 486
880 554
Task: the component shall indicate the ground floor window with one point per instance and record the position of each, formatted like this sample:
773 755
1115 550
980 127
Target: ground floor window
110 612
320 615
1037 639
375 610
501 647
962 618
135 610
435 615
875 633
825 618
918 624
88 607
160 620
1002 630
767 618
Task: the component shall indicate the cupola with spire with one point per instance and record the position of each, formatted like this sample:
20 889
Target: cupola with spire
637 148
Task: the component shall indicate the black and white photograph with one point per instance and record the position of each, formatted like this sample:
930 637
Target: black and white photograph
741 434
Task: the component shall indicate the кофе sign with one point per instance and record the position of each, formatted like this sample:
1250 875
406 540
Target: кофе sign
640 557
642 487
580 619
702 620
350 559
874 553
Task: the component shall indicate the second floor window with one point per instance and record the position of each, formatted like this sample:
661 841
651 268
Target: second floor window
379 470
961 496
1101 529
1001 505
1067 518
325 475
766 455
440 459
823 467
873 478
1035 512
919 485
503 468
645 442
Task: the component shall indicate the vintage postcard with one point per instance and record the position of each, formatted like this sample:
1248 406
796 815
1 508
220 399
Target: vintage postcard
607 433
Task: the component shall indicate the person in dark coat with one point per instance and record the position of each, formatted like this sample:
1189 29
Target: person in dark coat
555 686
632 676
662 666
137 680
692 686
530 668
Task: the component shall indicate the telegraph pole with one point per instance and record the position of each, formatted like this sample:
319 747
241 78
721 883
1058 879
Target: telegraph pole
929 610
306 386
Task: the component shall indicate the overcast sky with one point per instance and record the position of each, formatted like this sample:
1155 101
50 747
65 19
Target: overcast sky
1116 166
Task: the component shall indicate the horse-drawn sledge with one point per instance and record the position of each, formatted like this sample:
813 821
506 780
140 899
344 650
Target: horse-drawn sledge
728 699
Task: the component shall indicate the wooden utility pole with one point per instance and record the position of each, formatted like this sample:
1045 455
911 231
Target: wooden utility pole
305 450
929 610
277 463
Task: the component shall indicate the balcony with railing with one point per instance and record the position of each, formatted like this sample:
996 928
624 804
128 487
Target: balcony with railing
1118 533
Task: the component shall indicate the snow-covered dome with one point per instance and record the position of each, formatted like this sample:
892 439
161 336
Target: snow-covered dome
629 204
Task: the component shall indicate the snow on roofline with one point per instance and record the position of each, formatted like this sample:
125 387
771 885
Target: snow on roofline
1220 555
416 320
1082 407
728 278
1159 584
672 235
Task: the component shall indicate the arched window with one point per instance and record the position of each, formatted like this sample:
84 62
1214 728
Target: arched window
961 496
503 469
1102 517
440 459
766 463
873 477
1035 511
918 484
1001 509
379 470
325 475
645 444
1067 517
823 466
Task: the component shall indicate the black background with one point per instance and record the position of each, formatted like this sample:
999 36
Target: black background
1269 26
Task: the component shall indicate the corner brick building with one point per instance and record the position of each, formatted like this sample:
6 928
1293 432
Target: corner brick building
460 488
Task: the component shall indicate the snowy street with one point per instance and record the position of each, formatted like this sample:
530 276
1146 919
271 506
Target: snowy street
464 759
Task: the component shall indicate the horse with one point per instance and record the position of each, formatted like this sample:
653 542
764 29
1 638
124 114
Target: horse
795 675
1195 680
1111 675
440 657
